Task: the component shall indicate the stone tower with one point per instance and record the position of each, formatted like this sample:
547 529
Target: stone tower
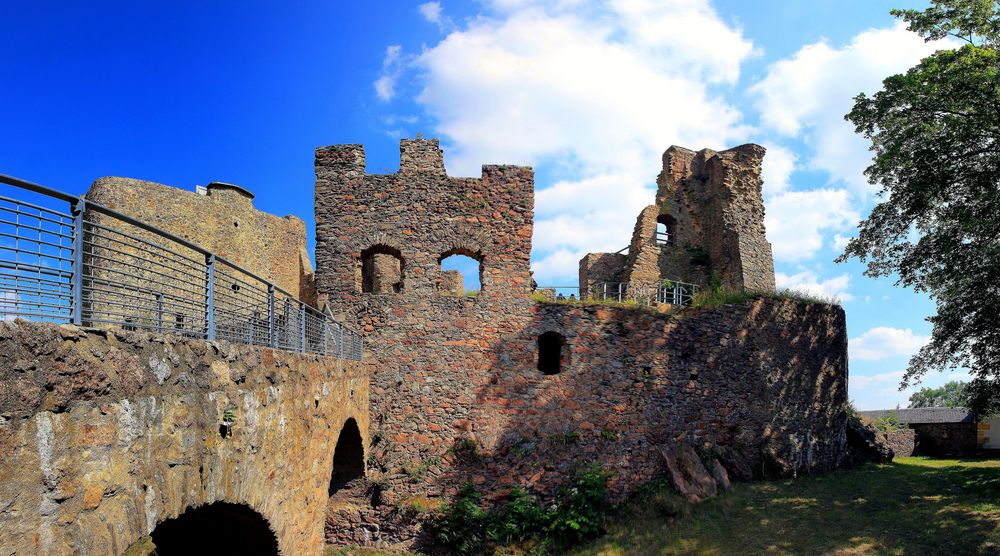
708 220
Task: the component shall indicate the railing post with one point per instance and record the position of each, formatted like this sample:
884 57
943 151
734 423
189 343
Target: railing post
78 209
326 335
210 298
302 327
270 315
619 292
159 312
286 310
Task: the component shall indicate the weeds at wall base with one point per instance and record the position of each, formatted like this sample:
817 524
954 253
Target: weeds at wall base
579 513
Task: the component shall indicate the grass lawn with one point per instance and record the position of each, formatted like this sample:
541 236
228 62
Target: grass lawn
912 506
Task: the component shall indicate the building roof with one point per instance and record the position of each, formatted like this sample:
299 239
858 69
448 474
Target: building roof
923 415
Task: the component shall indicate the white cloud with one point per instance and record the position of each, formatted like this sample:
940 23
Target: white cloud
434 13
807 95
550 270
880 380
431 11
596 89
840 242
882 342
385 85
777 169
809 282
797 220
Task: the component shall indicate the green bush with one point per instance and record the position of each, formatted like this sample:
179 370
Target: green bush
888 423
519 519
579 513
461 526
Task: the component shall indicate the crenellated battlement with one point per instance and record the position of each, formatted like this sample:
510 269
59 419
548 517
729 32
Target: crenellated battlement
416 216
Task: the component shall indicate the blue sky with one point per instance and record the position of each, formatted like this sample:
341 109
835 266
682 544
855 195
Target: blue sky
588 92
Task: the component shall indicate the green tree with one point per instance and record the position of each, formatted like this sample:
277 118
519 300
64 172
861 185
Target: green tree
935 135
952 394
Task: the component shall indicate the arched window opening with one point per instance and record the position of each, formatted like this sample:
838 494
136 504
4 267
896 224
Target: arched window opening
218 528
551 353
348 457
461 273
666 229
381 270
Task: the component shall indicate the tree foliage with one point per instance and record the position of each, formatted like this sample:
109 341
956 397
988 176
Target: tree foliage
934 132
952 394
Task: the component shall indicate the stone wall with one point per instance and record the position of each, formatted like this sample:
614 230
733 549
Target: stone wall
598 268
935 439
763 384
106 433
224 222
451 283
901 442
711 204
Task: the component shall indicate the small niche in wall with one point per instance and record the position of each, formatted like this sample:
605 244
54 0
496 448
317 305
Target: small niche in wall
551 353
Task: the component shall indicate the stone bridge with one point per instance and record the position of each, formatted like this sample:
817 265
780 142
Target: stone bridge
110 437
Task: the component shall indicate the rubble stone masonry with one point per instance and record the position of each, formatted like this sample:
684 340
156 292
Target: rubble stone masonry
764 384
224 221
106 433
711 204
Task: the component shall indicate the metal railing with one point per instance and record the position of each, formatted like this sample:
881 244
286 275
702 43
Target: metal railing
90 265
664 292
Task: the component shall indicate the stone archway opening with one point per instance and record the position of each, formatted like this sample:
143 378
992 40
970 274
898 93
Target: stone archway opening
381 270
348 457
666 229
461 272
217 528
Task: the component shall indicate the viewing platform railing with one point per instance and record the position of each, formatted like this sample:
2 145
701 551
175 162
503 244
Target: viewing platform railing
664 292
69 260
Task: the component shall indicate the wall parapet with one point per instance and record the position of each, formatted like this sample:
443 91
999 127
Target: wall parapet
125 428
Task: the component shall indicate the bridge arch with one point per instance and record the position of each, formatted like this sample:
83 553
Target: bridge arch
216 528
348 456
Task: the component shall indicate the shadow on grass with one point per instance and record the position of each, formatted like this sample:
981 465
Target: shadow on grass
912 506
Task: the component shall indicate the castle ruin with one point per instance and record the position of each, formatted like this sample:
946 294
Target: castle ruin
765 384
106 434
708 220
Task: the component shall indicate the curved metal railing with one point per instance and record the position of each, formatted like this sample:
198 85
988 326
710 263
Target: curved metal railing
87 264
670 292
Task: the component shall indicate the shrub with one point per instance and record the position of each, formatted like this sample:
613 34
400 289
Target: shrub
465 449
519 519
888 423
461 526
579 513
